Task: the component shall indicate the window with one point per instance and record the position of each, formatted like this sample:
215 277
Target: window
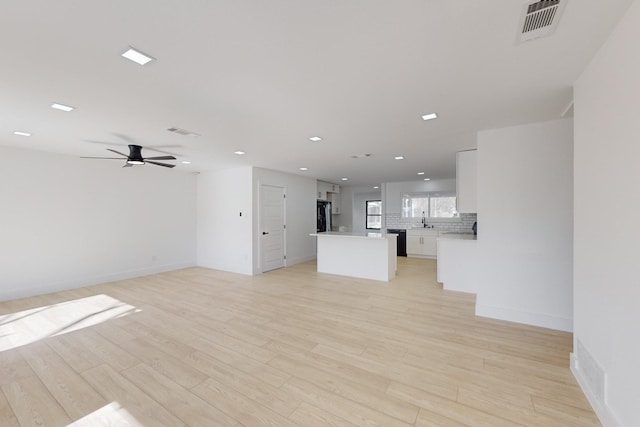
413 206
374 214
442 207
429 205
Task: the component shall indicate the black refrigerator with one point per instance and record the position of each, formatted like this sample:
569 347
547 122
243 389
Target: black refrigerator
324 216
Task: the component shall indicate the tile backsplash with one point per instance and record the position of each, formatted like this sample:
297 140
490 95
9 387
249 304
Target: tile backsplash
464 224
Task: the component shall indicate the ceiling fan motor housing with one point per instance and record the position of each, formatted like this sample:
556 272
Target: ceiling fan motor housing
135 155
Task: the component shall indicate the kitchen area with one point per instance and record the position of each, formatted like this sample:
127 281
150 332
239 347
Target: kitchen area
432 219
520 266
367 254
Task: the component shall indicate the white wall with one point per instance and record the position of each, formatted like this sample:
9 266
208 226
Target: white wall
68 222
300 214
230 242
225 237
607 217
525 222
359 213
350 208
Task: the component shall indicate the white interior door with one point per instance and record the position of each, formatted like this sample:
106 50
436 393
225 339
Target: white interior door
271 227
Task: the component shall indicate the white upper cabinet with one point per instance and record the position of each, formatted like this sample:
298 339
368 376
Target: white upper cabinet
334 198
325 189
336 206
466 181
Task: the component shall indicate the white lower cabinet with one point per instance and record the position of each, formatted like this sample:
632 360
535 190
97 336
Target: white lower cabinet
414 244
422 242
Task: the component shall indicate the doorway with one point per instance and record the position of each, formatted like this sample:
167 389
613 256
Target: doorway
272 227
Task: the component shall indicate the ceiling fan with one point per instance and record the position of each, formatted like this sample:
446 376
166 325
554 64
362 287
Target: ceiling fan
135 157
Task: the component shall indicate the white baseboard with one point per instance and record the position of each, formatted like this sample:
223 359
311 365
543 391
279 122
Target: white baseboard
528 318
422 256
290 261
601 409
293 261
246 270
41 289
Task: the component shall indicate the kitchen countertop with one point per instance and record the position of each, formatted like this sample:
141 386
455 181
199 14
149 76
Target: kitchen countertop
457 236
368 235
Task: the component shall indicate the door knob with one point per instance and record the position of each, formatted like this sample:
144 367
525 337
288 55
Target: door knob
264 232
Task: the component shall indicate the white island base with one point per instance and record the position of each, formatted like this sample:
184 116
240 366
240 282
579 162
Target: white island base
366 256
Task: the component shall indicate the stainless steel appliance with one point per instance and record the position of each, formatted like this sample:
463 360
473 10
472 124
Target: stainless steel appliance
324 216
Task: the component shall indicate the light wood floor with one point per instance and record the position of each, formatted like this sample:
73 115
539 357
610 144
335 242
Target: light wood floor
292 347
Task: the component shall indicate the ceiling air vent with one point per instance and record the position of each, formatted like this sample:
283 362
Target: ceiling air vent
539 19
182 132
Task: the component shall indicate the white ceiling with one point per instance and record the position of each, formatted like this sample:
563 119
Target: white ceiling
263 76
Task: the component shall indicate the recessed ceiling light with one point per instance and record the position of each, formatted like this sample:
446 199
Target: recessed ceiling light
427 179
399 157
429 116
420 173
315 139
136 56
239 153
345 179
304 169
21 133
376 187
62 107
186 162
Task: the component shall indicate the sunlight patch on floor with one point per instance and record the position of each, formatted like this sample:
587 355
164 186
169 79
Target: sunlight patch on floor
110 415
27 326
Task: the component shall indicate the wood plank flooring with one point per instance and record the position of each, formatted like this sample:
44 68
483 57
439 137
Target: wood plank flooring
288 348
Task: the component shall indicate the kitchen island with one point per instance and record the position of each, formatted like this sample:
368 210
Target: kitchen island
362 255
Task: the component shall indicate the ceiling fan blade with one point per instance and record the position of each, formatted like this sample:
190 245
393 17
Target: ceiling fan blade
160 158
117 152
160 164
130 141
125 138
164 146
156 149
104 158
113 144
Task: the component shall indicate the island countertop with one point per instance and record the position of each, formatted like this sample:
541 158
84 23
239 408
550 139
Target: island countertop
367 235
458 236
